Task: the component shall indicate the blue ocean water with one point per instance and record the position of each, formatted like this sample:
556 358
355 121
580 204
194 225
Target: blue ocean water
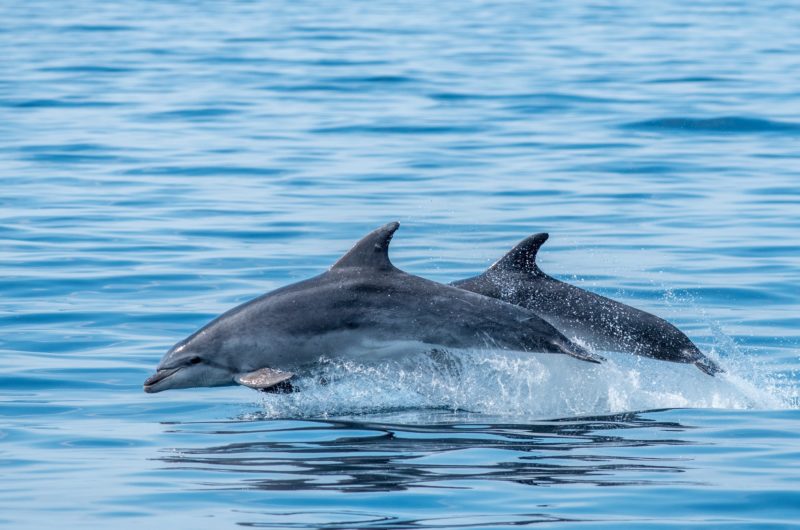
161 162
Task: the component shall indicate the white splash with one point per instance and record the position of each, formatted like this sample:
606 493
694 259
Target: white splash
523 385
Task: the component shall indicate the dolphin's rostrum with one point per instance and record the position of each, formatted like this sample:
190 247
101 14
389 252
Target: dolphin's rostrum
603 323
362 307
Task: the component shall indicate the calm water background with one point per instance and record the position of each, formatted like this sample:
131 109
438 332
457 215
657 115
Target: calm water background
162 162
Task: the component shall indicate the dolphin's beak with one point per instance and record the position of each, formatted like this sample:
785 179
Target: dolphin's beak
151 383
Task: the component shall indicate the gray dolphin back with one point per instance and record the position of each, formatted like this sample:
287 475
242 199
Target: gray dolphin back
602 322
365 291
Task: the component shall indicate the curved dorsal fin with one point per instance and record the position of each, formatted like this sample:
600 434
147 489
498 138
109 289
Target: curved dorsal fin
372 251
522 258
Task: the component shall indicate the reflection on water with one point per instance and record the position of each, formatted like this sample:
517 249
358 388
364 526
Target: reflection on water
354 456
343 520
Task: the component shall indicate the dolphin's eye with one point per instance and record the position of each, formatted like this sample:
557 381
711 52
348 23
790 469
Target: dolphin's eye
195 360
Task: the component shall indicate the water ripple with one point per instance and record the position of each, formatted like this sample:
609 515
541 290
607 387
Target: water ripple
165 161
724 125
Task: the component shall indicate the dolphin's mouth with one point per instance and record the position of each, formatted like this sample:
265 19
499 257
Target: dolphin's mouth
150 384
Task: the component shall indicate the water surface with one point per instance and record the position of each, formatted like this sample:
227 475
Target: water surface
162 162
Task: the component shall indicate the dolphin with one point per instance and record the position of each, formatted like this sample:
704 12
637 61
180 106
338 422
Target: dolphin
362 307
603 323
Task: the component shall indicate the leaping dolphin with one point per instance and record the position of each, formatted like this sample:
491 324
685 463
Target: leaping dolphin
362 307
601 322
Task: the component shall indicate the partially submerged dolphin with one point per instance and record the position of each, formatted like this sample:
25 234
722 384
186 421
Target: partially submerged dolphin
603 323
363 306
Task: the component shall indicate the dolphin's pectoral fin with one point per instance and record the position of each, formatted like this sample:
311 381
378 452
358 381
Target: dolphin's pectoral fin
573 350
284 387
263 379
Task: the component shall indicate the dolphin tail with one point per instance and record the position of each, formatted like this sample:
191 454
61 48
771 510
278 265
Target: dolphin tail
708 366
693 355
579 352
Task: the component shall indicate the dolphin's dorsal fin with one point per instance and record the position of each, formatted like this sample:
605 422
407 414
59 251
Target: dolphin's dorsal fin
522 258
372 251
